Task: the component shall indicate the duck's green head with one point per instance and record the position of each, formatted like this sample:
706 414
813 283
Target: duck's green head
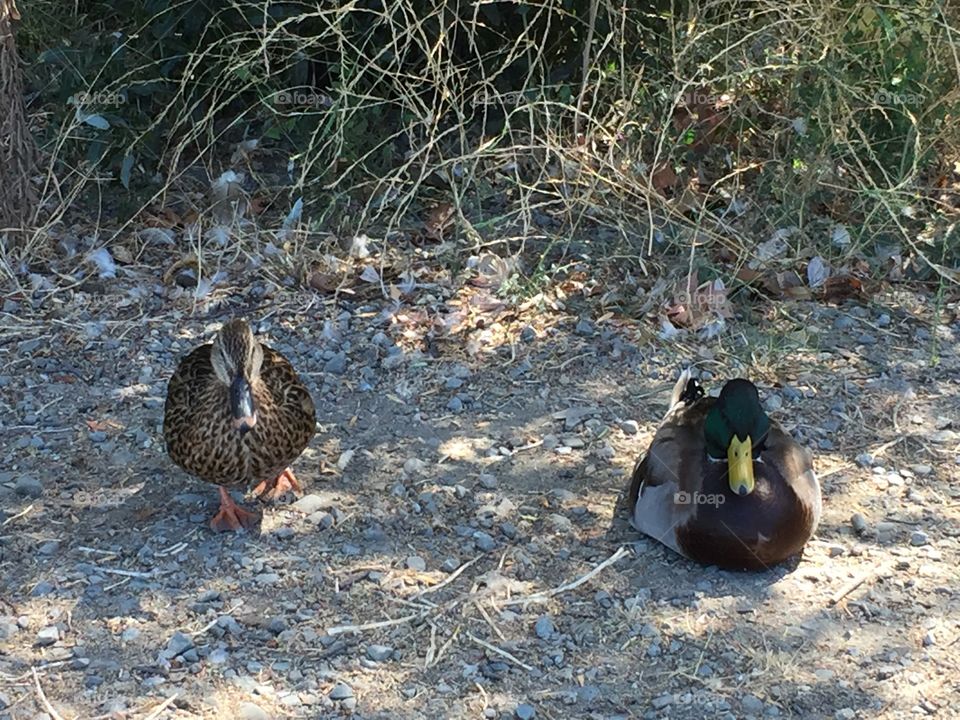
735 430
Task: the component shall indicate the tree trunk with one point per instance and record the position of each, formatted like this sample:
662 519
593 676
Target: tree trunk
18 152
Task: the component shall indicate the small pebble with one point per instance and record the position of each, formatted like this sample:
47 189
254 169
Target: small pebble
544 627
661 701
886 531
337 365
341 691
859 523
249 711
42 588
603 599
310 504
379 653
48 635
484 541
177 645
865 460
751 704
417 563
918 538
630 427
487 481
525 711
944 437
584 328
28 486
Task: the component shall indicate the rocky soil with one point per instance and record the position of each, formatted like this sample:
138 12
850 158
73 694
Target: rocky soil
459 552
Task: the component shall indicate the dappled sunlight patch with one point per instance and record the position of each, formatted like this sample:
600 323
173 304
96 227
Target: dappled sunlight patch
463 449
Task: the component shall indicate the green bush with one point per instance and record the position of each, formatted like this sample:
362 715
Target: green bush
388 105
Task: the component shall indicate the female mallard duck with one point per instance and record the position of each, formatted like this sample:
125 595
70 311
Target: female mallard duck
723 485
237 413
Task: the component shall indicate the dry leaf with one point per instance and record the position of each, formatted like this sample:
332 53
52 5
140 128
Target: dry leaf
439 220
664 178
324 282
842 286
817 272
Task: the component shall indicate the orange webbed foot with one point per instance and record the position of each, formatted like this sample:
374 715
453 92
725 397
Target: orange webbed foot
277 487
231 516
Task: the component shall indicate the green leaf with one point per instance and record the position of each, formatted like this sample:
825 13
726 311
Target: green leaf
125 168
97 121
95 151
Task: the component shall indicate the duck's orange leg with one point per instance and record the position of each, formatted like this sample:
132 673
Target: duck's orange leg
283 483
231 516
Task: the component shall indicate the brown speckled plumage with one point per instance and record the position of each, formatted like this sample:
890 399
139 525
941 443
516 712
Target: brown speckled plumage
199 425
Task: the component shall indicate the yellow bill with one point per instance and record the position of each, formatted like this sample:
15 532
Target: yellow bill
740 465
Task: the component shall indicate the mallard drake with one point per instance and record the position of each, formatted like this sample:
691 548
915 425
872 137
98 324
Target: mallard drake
722 484
237 414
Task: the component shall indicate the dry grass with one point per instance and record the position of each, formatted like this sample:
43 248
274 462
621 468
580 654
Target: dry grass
697 133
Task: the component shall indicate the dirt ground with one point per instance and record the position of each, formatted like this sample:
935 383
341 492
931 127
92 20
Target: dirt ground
459 552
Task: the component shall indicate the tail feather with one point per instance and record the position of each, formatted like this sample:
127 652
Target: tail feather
680 387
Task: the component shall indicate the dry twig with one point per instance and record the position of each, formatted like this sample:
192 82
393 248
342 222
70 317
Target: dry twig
547 594
42 696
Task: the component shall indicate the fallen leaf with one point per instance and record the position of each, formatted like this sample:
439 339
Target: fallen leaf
324 282
667 330
840 236
817 272
370 274
776 246
841 287
123 255
439 220
664 178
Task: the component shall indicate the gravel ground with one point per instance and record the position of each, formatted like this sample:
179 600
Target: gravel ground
459 552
